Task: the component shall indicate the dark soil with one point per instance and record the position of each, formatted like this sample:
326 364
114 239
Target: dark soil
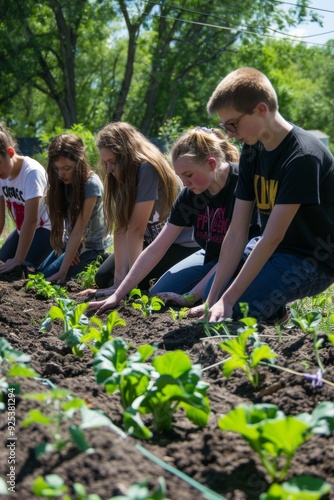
222 461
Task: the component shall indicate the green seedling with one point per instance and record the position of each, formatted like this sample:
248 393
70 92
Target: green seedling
13 363
274 436
57 416
118 370
158 389
144 303
240 358
212 329
53 486
175 383
74 321
42 288
309 323
87 277
96 337
178 314
300 487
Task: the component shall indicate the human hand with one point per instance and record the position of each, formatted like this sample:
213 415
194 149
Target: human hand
76 259
7 266
196 312
219 311
56 277
104 305
175 298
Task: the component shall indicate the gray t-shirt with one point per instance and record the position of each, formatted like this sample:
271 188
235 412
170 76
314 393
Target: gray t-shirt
94 232
150 187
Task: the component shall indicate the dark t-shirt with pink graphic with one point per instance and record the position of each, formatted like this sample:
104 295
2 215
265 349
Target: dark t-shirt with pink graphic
210 215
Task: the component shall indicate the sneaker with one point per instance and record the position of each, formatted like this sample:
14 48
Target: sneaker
281 316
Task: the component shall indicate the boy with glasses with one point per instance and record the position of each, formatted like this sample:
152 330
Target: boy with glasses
289 174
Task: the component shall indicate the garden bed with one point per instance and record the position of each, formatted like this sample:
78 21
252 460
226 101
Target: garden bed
221 460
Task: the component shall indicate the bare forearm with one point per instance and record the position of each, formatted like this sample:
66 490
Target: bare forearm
229 259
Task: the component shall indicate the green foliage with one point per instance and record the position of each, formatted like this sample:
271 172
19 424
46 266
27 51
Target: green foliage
78 329
212 329
171 382
13 363
87 277
75 323
42 288
274 436
300 487
178 313
309 323
170 130
53 486
57 416
86 135
104 332
144 303
240 358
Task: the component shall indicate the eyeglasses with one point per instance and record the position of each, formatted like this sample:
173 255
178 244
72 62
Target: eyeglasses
232 126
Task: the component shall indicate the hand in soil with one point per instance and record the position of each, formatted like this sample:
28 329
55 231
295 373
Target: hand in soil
175 298
196 312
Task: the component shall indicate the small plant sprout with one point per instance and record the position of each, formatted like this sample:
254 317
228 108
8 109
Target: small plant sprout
144 303
297 488
104 332
212 329
53 486
240 358
42 288
13 363
171 382
75 323
309 323
87 277
274 436
178 313
59 409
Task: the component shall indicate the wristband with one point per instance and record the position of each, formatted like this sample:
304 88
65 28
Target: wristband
190 298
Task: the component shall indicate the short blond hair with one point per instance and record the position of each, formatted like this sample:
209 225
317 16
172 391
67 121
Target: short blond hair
243 89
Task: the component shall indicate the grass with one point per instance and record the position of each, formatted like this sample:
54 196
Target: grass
322 303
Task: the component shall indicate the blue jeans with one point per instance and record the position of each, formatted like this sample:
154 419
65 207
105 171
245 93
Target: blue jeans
283 279
52 264
182 277
38 251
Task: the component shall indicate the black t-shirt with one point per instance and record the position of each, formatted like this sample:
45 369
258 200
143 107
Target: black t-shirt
299 171
210 215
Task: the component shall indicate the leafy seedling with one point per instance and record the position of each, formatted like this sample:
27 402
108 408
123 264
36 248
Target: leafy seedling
213 329
178 313
175 383
297 488
144 303
96 337
43 289
75 323
240 358
13 363
309 323
274 436
87 277
158 389
57 416
53 486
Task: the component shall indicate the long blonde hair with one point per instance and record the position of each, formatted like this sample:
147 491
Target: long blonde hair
61 208
131 149
200 143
